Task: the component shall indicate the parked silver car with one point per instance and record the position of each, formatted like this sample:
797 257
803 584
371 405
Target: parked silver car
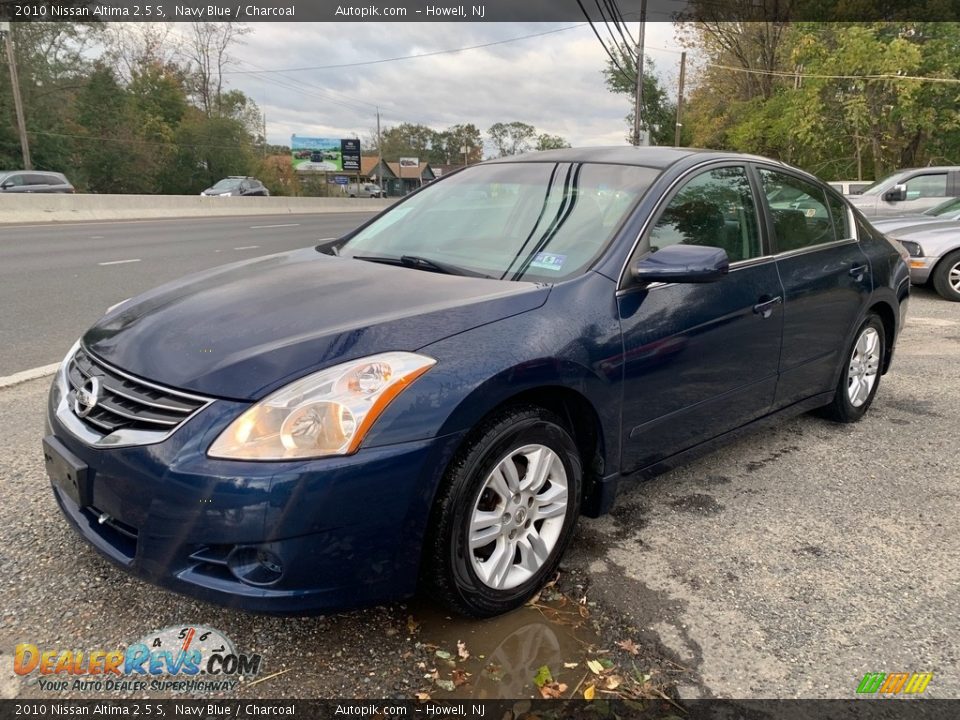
34 181
944 212
934 255
908 191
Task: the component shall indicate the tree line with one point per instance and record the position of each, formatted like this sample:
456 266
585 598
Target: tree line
842 100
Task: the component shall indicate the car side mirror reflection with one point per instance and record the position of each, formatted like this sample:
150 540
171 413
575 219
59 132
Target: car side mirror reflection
897 193
682 264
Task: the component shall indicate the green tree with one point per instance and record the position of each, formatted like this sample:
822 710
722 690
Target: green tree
408 140
658 115
551 142
108 151
512 138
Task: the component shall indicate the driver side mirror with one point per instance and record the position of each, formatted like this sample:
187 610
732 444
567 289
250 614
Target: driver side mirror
897 193
682 264
7 184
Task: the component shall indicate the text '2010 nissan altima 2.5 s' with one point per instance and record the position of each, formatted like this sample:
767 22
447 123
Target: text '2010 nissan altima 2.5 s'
431 401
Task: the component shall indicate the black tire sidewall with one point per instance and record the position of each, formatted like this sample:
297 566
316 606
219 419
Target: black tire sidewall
533 428
941 277
850 412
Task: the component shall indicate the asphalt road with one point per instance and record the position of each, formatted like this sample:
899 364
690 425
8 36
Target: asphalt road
787 564
57 279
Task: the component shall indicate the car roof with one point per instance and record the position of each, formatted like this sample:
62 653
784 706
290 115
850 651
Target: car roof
652 157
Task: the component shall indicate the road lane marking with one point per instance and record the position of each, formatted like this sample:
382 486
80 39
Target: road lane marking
247 247
120 262
28 375
261 227
96 237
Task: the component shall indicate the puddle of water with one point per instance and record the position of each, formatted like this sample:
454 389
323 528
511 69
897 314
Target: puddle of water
507 651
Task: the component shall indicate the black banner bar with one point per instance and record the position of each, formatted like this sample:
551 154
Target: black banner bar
473 10
238 709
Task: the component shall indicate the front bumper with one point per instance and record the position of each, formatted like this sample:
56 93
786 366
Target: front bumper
920 269
344 531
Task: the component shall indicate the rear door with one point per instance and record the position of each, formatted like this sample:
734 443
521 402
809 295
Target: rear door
701 359
826 280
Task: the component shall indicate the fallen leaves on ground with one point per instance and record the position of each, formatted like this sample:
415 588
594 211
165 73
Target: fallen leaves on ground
459 677
630 646
553 690
589 692
462 650
543 676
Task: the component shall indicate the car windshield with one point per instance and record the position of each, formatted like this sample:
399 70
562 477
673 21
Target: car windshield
948 207
519 221
881 186
227 184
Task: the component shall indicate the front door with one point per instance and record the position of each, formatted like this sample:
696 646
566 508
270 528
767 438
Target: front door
701 359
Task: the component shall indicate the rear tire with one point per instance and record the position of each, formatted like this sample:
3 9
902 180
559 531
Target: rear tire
861 372
504 514
946 277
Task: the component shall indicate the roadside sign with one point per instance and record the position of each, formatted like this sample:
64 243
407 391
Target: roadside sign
350 155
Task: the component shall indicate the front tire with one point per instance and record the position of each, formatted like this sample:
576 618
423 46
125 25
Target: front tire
505 513
946 277
860 376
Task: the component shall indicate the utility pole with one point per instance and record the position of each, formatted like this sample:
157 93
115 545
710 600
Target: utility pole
380 173
264 119
17 101
639 93
683 70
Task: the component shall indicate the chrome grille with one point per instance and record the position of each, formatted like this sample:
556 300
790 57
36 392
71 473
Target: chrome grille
126 402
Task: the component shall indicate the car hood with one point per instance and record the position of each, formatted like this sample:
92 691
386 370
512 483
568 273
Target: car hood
244 329
901 222
935 239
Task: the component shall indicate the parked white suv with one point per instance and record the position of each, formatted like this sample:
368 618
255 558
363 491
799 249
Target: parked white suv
364 190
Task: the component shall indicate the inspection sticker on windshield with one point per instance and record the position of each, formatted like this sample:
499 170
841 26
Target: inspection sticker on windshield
548 261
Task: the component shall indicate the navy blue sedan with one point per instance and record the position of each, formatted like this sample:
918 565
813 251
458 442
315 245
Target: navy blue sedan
430 402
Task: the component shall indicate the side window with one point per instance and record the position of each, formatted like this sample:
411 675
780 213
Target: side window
841 218
799 210
715 208
924 186
37 180
15 180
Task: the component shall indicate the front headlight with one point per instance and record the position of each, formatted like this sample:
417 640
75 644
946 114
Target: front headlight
326 413
913 248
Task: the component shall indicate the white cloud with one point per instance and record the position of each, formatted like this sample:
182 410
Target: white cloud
553 82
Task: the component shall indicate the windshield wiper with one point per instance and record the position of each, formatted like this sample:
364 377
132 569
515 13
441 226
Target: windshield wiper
421 263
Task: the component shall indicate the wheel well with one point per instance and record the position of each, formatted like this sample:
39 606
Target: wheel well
889 330
580 417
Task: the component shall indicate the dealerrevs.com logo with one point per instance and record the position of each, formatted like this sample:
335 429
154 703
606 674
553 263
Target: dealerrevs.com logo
176 659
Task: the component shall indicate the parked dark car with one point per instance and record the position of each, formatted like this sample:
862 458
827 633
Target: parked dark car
432 400
34 181
237 185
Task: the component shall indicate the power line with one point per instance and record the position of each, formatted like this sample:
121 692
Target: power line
613 59
411 57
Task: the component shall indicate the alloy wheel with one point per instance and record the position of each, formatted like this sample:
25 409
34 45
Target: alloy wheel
518 517
864 367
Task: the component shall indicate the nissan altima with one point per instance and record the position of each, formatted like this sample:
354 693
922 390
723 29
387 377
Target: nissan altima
429 402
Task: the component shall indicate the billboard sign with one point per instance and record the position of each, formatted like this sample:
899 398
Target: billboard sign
409 162
350 155
312 154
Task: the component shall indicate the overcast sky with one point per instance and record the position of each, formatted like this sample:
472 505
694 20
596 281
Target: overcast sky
553 82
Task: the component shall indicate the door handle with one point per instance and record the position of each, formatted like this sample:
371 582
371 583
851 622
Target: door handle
858 271
765 307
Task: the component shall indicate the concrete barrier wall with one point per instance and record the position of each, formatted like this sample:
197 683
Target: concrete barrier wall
29 208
